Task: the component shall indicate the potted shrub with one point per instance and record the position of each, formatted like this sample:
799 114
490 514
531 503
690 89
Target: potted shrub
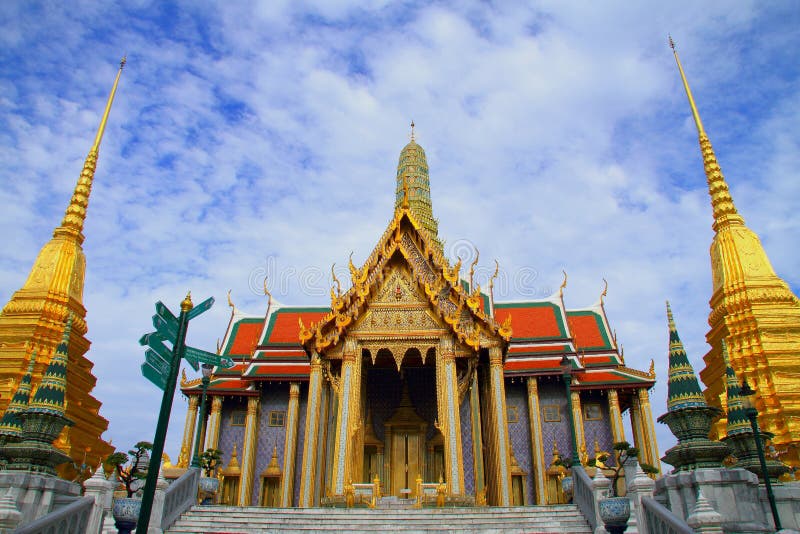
130 470
209 484
616 510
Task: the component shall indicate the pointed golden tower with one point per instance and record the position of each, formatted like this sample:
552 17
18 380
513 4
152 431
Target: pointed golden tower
32 322
753 310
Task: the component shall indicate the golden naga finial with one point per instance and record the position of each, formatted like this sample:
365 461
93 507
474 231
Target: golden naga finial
472 266
230 303
186 304
336 281
605 291
652 371
304 334
496 272
563 285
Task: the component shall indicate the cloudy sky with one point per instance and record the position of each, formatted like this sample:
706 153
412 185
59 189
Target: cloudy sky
262 138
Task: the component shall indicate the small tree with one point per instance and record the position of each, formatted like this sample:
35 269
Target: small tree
209 460
130 469
622 452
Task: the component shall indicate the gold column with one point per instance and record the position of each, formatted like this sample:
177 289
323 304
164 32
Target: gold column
347 418
499 432
638 429
449 415
290 446
249 452
537 447
312 434
187 442
577 414
477 435
650 447
615 415
212 431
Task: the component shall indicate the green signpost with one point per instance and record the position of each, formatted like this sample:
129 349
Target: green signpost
161 367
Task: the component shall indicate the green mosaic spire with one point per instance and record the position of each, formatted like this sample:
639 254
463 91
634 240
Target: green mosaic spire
683 390
52 390
737 419
11 424
412 172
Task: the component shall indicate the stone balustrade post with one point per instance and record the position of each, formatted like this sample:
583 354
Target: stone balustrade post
601 486
103 492
10 516
704 519
640 486
157 514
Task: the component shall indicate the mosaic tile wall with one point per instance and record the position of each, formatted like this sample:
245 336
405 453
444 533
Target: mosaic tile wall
274 397
228 434
551 393
519 433
597 429
466 445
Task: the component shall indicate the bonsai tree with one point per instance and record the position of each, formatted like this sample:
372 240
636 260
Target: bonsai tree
209 460
130 469
622 452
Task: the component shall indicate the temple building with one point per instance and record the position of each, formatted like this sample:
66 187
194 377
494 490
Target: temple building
753 310
33 325
415 374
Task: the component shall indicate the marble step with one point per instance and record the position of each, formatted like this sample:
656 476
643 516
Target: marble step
505 520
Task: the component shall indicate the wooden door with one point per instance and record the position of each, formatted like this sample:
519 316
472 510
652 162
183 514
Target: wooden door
406 463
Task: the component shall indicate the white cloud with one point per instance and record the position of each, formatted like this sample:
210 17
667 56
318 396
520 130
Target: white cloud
558 136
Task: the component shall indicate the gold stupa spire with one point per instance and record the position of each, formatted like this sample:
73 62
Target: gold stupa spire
724 211
36 315
72 224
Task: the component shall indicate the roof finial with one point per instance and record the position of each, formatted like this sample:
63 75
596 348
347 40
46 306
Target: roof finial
412 130
75 215
724 210
605 291
563 285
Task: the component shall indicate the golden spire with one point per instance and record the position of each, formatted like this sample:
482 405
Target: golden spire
72 224
725 213
412 130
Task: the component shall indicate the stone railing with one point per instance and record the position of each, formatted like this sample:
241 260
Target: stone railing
658 519
583 495
179 497
71 519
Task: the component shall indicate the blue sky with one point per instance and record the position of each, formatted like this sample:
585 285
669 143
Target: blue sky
262 138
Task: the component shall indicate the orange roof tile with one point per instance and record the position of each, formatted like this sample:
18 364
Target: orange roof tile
532 320
244 337
283 327
587 330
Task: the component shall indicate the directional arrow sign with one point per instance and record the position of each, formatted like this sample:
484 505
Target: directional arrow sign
163 326
208 357
164 312
156 361
200 308
155 341
154 376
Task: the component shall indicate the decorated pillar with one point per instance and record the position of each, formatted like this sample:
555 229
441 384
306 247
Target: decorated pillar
449 415
212 431
499 432
637 428
249 452
347 417
537 446
614 413
188 432
577 418
649 446
311 443
477 436
290 446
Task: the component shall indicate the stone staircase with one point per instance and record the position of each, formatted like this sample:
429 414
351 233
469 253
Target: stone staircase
247 520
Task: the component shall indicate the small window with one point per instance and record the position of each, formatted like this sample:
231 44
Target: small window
237 418
277 418
513 414
551 413
592 412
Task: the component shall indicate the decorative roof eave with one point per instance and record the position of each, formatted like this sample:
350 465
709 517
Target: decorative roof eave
345 308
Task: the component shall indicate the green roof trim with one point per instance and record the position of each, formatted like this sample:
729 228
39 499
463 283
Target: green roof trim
235 332
600 326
